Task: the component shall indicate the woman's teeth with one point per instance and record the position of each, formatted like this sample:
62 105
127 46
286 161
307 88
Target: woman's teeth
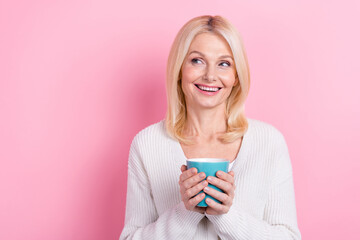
208 89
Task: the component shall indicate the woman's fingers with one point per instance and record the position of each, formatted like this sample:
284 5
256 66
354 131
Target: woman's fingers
192 186
223 185
222 197
191 192
215 208
195 201
191 203
228 177
187 173
192 181
225 182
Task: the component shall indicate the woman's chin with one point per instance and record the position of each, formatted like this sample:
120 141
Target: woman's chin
209 105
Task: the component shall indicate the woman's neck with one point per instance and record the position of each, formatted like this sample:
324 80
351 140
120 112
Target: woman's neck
205 123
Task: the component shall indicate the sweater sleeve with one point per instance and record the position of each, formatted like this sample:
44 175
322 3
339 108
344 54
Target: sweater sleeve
279 220
141 218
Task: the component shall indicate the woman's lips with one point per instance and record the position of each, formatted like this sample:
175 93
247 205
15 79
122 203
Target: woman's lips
208 93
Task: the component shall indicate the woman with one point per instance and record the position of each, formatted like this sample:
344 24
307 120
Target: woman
207 85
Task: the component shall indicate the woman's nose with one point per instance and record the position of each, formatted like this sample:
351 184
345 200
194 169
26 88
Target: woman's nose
210 73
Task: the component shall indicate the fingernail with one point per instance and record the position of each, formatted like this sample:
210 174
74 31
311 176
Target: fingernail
204 183
219 173
206 189
202 175
193 170
210 179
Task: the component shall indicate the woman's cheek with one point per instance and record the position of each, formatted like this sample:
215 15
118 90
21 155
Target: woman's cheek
229 80
193 73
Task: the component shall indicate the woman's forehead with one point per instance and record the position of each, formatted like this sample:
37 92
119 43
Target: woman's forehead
210 43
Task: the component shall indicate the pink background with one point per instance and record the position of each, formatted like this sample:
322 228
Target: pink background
80 78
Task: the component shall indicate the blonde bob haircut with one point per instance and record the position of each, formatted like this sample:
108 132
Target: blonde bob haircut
176 115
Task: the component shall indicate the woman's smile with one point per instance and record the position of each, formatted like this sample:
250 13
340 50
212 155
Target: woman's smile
207 90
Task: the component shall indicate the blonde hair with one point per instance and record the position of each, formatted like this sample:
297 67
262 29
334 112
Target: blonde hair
176 115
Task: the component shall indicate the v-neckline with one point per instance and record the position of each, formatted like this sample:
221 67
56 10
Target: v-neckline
240 153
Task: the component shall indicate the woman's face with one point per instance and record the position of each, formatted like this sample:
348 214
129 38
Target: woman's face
208 72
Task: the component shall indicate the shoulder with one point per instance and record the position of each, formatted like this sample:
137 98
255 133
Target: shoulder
149 143
264 129
266 134
151 135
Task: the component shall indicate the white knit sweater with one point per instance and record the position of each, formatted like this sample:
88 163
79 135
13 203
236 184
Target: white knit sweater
264 203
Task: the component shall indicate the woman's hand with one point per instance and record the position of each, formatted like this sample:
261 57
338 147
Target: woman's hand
224 181
190 185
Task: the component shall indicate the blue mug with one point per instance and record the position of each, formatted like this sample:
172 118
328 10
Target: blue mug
209 166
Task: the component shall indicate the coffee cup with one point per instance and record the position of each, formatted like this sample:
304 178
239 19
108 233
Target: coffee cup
209 166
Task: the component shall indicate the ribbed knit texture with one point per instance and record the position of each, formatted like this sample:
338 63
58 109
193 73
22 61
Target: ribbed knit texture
264 203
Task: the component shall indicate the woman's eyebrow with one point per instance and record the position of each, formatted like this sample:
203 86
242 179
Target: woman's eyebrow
226 56
197 52
223 56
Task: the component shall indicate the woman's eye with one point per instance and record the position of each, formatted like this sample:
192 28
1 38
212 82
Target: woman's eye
227 64
195 60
